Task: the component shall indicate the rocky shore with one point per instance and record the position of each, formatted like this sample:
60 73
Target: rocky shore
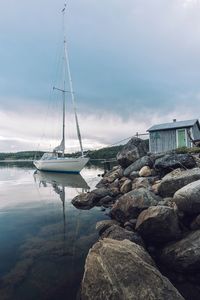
150 247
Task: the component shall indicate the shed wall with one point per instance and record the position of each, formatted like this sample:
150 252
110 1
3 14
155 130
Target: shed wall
163 140
196 132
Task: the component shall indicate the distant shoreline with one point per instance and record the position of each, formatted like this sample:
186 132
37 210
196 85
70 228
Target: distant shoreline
16 160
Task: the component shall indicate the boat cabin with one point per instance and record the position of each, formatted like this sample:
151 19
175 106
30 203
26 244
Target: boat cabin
177 134
49 155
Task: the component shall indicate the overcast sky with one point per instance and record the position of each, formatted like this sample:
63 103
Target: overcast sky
134 63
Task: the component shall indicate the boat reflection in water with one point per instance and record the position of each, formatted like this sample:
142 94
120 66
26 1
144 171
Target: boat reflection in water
60 181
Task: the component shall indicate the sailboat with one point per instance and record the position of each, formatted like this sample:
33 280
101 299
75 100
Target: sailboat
56 161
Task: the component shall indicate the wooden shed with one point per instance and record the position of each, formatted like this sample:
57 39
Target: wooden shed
177 134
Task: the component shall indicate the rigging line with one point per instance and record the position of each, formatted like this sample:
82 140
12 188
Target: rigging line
70 83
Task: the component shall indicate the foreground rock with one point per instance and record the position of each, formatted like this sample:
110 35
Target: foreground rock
173 161
121 270
130 205
116 232
187 199
183 255
158 224
133 150
175 180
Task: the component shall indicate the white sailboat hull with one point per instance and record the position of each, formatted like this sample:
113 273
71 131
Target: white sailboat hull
66 165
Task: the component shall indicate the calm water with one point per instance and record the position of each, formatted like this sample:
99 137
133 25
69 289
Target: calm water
44 240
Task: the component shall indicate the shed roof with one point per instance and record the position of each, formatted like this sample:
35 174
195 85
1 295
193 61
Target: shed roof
174 125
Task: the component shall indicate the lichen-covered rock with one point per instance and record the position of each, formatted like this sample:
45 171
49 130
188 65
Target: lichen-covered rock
139 164
133 150
187 198
183 255
173 161
145 171
175 180
130 205
140 182
122 270
158 225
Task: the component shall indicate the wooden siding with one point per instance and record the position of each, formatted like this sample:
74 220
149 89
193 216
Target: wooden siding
196 132
162 140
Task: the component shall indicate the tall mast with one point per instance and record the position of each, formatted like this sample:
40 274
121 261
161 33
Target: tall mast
70 83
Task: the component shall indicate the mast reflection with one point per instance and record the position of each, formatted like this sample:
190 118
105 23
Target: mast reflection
60 181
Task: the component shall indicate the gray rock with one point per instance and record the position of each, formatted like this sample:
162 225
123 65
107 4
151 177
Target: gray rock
166 202
173 161
187 198
122 270
134 175
138 164
105 200
158 225
101 226
88 200
183 255
130 205
175 180
133 150
195 223
116 232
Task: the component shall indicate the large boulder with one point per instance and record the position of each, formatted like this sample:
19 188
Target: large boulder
173 161
121 270
175 180
187 198
132 151
88 200
116 232
130 205
158 224
183 255
139 164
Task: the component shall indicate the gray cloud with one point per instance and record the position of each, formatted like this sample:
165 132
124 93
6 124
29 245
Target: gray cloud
134 63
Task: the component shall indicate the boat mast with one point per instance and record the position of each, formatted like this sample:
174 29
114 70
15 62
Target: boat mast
70 83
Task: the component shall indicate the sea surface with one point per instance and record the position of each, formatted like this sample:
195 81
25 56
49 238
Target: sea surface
44 239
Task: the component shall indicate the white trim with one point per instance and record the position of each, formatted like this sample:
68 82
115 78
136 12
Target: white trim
176 138
186 138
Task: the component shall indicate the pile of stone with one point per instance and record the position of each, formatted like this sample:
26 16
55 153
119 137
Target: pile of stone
154 202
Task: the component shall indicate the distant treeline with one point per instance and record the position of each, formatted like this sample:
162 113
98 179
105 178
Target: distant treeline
29 155
104 153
